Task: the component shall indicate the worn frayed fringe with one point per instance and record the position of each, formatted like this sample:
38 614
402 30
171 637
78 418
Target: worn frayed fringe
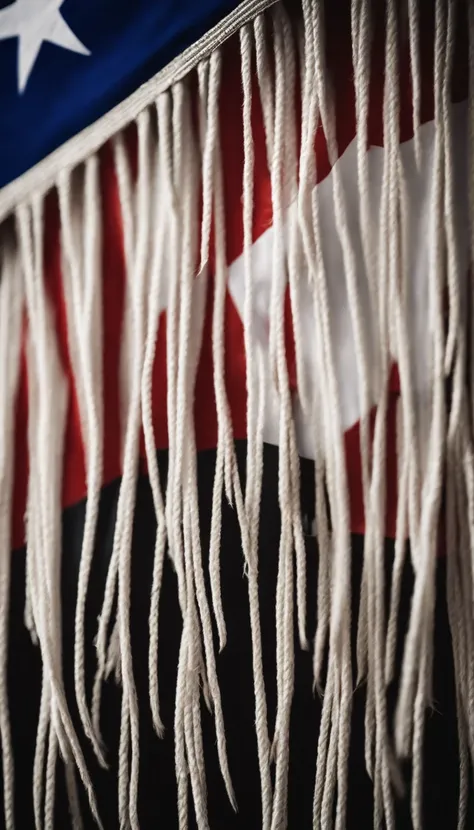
172 262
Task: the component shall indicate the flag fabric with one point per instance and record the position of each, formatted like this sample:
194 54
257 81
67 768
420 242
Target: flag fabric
228 232
65 64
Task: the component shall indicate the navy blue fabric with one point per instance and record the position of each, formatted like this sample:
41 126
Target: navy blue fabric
129 41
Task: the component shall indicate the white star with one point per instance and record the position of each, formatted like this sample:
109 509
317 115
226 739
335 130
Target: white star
32 22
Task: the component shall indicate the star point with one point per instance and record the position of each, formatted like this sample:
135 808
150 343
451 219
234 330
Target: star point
33 22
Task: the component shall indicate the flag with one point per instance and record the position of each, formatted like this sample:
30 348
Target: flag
65 64
228 228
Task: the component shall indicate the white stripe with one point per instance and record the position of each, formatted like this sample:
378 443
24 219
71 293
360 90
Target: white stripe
419 197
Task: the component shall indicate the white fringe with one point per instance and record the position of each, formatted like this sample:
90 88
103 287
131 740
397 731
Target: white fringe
172 263
418 636
82 292
47 409
11 331
255 409
156 302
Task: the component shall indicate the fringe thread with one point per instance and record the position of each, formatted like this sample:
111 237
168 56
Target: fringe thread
179 176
